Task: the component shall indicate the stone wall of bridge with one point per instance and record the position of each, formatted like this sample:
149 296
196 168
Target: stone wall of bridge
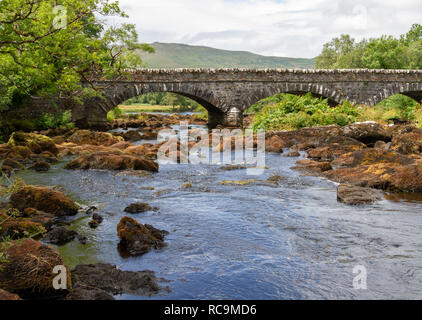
227 93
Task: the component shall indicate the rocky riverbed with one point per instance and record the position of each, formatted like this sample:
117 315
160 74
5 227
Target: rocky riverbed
102 205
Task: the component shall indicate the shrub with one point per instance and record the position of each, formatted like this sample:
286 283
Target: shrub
53 121
115 113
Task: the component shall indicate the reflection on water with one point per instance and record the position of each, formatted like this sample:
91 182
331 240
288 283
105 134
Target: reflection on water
257 241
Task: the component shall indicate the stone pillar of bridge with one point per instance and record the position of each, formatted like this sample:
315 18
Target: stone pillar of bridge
233 118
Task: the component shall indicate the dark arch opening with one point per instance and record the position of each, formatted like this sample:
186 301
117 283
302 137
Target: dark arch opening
160 98
415 95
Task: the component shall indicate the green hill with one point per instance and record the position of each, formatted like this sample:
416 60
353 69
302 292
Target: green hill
172 55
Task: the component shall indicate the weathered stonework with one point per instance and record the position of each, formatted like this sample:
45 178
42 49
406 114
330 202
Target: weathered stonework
227 93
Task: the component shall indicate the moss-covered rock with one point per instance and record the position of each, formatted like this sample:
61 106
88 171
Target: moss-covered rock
35 142
44 199
106 139
29 269
17 228
137 239
112 161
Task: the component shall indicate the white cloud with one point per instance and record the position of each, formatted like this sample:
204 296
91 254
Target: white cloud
294 28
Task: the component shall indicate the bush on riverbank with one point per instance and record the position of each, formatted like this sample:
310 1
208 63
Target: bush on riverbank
288 112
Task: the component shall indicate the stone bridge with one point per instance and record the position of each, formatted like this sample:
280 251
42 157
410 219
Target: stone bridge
227 93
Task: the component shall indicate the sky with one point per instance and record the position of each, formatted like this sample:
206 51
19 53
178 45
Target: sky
287 28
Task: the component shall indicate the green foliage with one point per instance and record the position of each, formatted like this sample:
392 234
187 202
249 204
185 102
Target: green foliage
385 52
115 113
295 112
39 57
52 121
179 102
287 112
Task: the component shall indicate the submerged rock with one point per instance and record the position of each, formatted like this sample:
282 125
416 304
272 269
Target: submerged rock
112 161
43 199
354 195
29 269
137 239
102 281
139 207
41 166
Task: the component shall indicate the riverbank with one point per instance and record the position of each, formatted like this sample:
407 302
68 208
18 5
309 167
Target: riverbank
88 222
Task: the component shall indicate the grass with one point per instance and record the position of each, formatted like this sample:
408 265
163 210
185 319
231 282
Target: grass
140 107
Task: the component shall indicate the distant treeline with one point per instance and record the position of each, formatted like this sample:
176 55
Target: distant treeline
163 99
386 52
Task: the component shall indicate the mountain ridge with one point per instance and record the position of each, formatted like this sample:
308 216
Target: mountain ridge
177 55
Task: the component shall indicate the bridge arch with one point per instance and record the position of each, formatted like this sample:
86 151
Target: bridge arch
200 95
411 89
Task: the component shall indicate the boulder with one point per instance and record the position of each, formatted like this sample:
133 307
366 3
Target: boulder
137 239
29 269
112 161
43 199
41 166
408 141
370 156
60 236
312 166
17 228
35 142
82 137
367 132
139 207
386 176
333 147
102 281
354 195
274 144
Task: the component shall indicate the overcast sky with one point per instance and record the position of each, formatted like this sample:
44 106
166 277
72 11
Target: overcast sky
292 28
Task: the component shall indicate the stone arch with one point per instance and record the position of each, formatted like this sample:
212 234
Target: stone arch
411 89
317 90
204 97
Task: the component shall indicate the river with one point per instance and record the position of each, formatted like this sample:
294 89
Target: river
257 241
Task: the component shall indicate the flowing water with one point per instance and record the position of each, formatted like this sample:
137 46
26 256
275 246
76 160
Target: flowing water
257 241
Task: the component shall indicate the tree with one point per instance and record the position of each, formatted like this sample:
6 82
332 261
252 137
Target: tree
385 52
46 50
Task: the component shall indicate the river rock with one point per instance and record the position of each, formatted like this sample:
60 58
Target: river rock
367 132
60 236
41 166
35 142
112 161
275 144
292 154
82 137
312 166
137 239
29 269
17 228
43 199
370 156
354 195
408 141
139 207
102 281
